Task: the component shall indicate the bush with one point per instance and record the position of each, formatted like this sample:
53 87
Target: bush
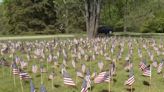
155 25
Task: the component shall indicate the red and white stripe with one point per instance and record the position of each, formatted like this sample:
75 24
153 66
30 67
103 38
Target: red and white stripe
24 76
142 66
69 81
147 73
130 81
15 71
100 77
160 68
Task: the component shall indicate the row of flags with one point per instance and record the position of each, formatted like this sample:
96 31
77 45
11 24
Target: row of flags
83 49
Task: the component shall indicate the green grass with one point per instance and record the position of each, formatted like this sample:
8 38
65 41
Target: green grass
7 82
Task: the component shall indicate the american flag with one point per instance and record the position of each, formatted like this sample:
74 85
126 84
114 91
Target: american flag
34 68
67 79
100 77
154 63
84 86
51 76
100 65
42 88
79 74
15 69
42 69
142 65
23 75
131 78
87 77
32 87
83 67
107 76
147 71
160 67
112 70
129 65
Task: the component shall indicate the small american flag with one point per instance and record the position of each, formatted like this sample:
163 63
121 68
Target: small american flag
154 63
83 67
100 65
131 78
34 68
142 65
100 77
15 69
112 70
67 79
23 75
42 69
107 77
73 64
79 74
87 77
84 86
32 87
147 71
42 88
160 67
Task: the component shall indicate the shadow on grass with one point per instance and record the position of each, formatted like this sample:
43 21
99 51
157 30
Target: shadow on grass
114 80
56 86
146 83
130 90
38 75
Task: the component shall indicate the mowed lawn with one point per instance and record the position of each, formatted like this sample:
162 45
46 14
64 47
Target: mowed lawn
117 85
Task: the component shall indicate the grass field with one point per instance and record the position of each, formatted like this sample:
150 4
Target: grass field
140 85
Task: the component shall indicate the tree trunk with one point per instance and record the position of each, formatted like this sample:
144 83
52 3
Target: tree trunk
92 8
125 17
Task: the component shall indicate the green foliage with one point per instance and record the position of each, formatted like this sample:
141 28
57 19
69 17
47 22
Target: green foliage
68 16
155 25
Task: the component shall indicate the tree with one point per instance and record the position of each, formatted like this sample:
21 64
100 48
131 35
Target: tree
92 8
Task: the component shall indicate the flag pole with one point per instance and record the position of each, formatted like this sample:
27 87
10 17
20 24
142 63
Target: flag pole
14 81
21 85
52 84
131 88
10 70
150 79
41 78
109 86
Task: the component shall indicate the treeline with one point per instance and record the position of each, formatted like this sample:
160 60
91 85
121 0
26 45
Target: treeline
68 16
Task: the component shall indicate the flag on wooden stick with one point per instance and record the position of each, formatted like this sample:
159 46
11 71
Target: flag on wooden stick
84 86
42 88
67 79
147 71
131 78
15 69
32 87
160 66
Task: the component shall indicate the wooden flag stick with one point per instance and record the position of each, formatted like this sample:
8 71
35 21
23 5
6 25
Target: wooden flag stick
131 88
47 65
150 79
3 71
14 81
41 78
76 79
109 86
52 84
21 85
10 70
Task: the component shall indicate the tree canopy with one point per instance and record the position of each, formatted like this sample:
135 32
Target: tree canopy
67 16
